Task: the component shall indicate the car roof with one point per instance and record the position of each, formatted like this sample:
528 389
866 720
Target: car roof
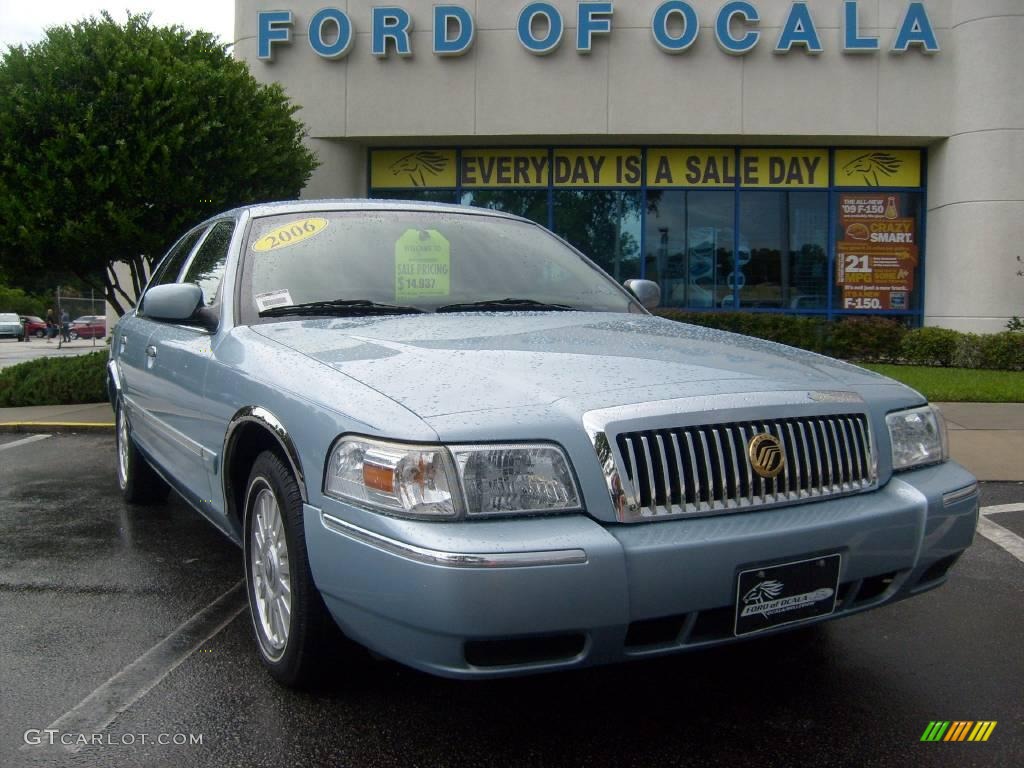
359 204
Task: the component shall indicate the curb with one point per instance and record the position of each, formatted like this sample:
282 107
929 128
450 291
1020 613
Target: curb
56 426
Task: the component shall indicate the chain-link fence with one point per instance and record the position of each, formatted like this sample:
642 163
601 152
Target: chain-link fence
86 317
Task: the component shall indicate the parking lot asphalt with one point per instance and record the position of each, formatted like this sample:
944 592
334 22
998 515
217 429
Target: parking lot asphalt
90 586
13 351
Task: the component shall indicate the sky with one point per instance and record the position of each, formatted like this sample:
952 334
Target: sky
24 21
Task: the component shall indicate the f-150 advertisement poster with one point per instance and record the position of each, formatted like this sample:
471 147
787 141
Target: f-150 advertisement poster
876 255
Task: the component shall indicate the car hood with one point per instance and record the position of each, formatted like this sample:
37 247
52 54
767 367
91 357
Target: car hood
455 363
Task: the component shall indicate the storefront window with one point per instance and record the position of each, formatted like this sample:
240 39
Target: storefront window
604 225
419 195
531 204
777 229
689 237
782 261
877 265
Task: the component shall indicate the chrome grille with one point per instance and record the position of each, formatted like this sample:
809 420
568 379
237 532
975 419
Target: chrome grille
704 469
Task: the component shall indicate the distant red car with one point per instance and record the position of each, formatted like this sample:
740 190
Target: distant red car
34 326
89 327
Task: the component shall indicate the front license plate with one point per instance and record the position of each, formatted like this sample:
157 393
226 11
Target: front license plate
783 594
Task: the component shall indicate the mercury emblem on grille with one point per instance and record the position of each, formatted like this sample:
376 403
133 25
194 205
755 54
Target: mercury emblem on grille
766 455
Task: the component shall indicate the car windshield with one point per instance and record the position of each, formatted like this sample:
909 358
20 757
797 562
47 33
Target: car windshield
394 261
6 318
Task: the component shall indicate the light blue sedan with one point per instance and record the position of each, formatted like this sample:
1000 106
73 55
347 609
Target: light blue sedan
454 435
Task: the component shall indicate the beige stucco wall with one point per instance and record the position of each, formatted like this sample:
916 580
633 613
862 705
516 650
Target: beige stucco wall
957 103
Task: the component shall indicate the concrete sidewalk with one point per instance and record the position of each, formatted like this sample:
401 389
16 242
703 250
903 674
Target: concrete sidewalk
987 438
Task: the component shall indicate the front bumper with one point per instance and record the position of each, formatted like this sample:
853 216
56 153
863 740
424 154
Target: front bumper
495 598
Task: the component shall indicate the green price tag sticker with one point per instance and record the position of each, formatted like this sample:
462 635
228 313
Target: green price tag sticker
422 265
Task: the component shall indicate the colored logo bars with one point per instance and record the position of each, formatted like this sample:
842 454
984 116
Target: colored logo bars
958 730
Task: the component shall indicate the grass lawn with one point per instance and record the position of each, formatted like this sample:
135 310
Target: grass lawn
952 385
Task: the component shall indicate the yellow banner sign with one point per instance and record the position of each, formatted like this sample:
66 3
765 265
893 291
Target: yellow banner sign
691 167
878 168
722 168
778 168
598 168
704 167
409 168
504 168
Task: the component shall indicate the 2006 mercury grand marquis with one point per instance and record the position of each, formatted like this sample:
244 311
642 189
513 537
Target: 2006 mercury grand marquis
451 432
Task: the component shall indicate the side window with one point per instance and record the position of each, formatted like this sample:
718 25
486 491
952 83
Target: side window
207 268
169 268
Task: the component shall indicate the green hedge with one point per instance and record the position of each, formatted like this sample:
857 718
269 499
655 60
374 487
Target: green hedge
55 381
869 339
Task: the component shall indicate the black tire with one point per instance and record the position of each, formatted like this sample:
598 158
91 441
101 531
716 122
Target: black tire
292 647
73 335
140 484
39 334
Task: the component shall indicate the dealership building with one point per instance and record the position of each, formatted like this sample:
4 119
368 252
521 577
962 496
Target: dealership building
829 157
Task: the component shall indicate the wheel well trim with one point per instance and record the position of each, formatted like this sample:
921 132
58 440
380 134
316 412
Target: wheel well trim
255 414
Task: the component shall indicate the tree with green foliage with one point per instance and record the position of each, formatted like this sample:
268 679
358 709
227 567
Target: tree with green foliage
116 139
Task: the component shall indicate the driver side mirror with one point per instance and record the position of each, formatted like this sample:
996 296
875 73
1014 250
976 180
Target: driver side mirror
647 292
179 303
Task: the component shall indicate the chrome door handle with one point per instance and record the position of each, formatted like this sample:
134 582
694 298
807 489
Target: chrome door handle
150 351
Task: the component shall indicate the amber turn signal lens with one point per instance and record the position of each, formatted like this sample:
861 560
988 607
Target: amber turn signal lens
379 478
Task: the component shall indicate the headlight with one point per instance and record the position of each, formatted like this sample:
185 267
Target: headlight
515 479
440 483
918 436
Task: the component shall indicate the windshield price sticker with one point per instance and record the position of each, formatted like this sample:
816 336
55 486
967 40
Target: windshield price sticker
422 264
272 299
289 234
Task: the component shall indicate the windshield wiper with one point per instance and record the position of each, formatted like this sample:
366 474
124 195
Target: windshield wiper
340 308
504 305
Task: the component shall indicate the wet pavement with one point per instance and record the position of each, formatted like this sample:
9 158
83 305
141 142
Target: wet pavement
89 584
13 351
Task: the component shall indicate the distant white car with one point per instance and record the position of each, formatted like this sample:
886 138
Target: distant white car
10 326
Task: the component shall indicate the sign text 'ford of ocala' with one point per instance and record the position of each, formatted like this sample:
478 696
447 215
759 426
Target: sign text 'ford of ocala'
540 27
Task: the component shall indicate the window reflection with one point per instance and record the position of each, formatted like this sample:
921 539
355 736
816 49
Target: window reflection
531 204
418 195
782 261
690 247
604 225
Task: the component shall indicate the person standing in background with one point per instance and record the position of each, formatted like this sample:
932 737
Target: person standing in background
65 326
51 326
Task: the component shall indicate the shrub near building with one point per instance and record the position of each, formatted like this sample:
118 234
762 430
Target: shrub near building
870 339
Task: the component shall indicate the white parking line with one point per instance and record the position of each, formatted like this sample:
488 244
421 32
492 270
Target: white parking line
24 441
995 509
98 710
999 535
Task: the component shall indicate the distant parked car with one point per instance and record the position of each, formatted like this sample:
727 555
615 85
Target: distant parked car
10 326
34 326
89 327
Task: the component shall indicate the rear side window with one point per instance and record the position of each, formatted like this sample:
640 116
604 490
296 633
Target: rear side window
169 268
207 268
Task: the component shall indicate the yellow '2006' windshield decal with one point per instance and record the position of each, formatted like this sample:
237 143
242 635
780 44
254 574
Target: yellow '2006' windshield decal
289 234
